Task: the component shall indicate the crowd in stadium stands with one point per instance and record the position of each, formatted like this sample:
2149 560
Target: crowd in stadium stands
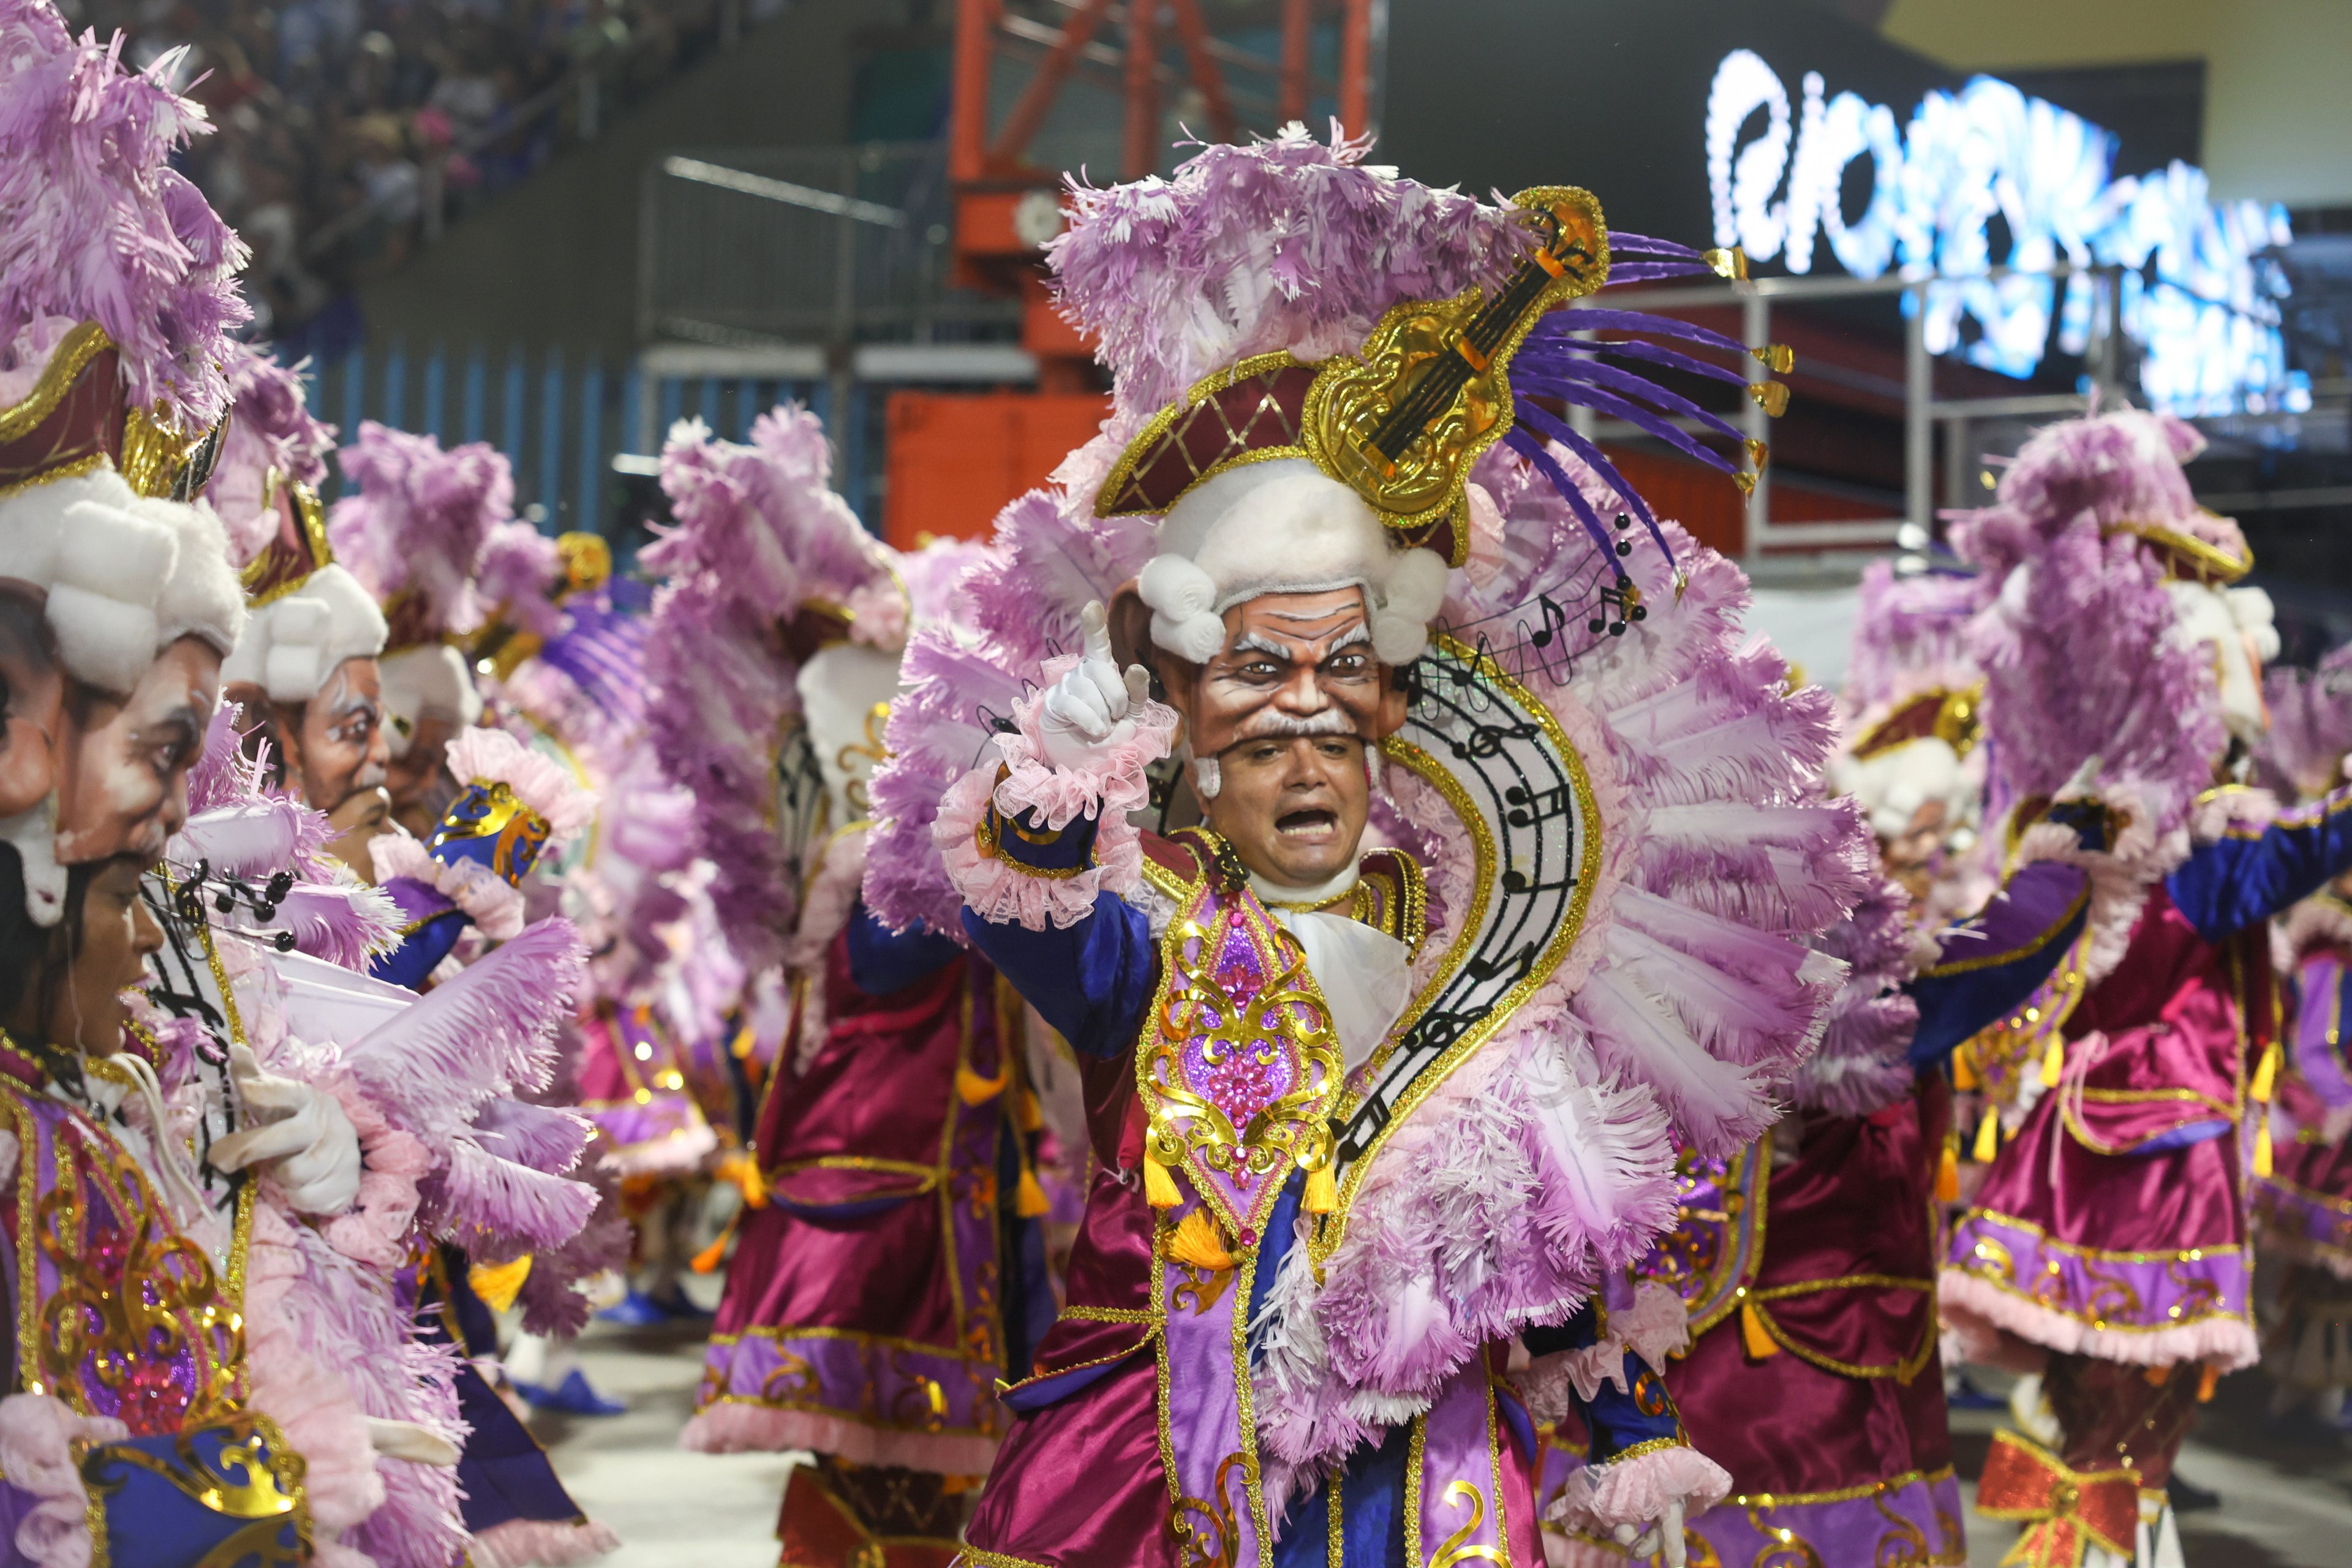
339 121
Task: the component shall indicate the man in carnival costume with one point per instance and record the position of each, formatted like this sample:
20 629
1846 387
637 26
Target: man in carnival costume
1807 1260
1360 1120
306 667
2304 1202
2108 1247
893 1273
117 608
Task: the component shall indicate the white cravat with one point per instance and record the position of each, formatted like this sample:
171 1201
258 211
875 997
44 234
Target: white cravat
1364 973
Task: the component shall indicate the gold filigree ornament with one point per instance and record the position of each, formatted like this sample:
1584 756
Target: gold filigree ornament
256 1477
1286 1017
1206 1534
1456 1549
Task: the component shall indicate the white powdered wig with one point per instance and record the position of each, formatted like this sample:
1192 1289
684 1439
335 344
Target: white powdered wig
292 645
1893 784
2238 625
840 688
1282 526
424 682
126 575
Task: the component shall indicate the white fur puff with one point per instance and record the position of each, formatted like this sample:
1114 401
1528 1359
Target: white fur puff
1183 599
291 646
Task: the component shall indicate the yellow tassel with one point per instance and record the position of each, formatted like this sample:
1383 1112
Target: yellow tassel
1964 1071
1988 1139
1197 1244
741 1170
1029 1199
975 1090
1027 1114
1159 1184
2262 1154
499 1283
2206 1385
1752 1335
2266 1074
743 1045
1948 1174
1322 1190
2053 1061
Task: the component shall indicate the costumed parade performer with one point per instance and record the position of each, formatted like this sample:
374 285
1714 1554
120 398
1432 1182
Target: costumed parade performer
894 1273
2303 1204
1807 1261
1360 1121
415 530
202 1201
2108 1248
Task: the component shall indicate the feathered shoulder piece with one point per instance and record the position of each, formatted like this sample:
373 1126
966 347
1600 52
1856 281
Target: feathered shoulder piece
255 859
2077 632
96 225
2302 755
764 564
415 531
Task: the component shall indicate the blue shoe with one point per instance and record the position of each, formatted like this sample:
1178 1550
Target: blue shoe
574 1396
635 1311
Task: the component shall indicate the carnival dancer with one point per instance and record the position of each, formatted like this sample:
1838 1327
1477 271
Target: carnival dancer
1807 1261
2303 1204
116 289
1360 1121
2108 1247
894 1271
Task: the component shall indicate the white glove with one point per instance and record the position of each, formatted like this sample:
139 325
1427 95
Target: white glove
1663 1533
301 1130
408 1440
1087 710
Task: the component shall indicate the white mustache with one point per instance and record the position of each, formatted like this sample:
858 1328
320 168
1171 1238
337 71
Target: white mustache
1266 722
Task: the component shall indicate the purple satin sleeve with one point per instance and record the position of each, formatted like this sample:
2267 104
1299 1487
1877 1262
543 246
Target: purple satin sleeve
1091 980
2243 879
1990 964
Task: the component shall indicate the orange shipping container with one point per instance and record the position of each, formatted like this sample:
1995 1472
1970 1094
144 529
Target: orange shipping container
956 459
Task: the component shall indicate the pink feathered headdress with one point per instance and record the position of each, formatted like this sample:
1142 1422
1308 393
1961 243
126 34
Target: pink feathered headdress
2311 726
415 533
2075 632
96 224
1909 633
269 431
761 537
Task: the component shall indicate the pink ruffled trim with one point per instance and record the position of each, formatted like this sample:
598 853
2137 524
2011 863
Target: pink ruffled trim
732 1429
377 1229
1599 1497
37 1434
488 900
540 781
2120 877
1110 784
1003 893
2312 925
1978 1312
1656 1326
522 1543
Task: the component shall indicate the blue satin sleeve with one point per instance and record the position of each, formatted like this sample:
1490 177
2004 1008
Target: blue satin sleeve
1990 964
1091 980
2247 876
422 951
1639 1414
882 961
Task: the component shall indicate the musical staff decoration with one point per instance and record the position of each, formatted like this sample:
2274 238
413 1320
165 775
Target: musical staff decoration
1494 750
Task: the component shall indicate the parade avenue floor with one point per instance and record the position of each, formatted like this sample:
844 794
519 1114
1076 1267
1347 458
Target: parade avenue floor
2284 1505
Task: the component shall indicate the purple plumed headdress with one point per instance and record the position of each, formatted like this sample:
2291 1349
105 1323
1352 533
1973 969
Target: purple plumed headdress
517 573
415 532
270 431
2076 633
764 560
1909 633
96 224
2311 726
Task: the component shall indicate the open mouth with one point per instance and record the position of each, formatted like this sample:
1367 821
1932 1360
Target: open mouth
1308 825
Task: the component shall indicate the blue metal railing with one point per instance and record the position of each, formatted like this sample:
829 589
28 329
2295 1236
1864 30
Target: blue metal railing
561 420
